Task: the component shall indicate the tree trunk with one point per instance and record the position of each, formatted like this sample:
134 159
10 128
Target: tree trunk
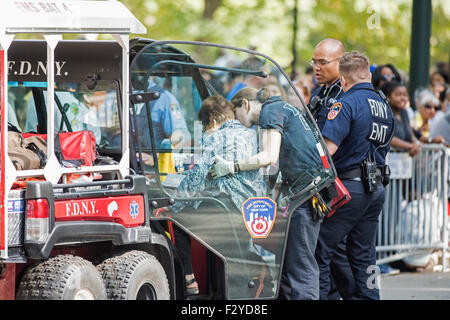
210 8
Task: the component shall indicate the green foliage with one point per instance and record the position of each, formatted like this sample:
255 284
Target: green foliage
440 32
379 28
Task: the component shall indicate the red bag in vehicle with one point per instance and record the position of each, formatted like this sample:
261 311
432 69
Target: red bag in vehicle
29 134
343 196
75 149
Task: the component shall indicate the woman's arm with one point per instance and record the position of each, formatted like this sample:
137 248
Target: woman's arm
270 145
196 177
331 146
401 144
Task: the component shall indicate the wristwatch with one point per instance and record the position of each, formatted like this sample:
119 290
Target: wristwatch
236 167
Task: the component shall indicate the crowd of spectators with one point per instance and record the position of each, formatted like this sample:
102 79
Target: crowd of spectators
420 115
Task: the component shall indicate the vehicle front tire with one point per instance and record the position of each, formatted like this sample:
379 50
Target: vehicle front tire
135 275
64 277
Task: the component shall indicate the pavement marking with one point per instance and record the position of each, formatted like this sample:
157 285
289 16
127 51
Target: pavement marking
416 289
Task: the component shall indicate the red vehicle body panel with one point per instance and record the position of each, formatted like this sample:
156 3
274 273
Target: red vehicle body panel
129 211
3 208
8 282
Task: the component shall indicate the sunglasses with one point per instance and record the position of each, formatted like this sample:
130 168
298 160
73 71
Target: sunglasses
430 106
389 77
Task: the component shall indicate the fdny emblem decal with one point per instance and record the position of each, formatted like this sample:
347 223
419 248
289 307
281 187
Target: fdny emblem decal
134 209
334 110
259 216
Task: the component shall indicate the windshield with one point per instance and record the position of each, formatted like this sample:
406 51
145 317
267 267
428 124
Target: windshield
199 120
77 108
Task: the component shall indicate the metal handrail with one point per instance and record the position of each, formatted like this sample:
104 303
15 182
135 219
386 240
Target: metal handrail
415 212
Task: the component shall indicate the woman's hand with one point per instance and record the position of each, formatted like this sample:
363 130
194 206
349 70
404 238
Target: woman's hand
438 139
146 159
415 149
221 167
424 127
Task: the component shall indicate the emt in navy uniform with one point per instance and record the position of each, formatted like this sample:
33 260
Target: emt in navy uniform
357 132
325 63
288 139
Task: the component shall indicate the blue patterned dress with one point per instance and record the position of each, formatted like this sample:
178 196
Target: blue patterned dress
233 142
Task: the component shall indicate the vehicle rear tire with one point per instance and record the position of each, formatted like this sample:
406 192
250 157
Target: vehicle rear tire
135 275
64 277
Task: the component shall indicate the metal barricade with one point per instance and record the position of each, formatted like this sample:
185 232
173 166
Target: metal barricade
414 216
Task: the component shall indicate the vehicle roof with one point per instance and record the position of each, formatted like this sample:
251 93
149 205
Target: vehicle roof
137 44
67 16
75 58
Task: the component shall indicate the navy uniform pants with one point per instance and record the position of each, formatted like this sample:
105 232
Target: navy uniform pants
342 283
356 221
300 273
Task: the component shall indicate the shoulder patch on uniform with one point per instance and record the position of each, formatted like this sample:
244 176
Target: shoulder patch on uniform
334 110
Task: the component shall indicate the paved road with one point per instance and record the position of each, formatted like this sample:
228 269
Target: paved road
416 286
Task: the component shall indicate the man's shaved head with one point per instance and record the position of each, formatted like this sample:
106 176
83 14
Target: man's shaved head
332 46
326 64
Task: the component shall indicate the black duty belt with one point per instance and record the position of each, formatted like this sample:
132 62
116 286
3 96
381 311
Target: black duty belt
356 173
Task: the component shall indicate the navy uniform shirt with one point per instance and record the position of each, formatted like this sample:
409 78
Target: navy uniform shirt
166 117
358 123
298 151
328 96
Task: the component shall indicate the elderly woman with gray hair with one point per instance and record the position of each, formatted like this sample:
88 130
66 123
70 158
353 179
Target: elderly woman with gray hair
441 126
427 105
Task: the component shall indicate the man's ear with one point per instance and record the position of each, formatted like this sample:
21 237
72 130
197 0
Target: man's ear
246 105
344 82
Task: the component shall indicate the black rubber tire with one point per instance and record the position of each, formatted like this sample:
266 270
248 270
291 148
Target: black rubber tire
133 273
64 277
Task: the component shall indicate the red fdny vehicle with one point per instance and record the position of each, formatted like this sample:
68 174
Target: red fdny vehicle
113 129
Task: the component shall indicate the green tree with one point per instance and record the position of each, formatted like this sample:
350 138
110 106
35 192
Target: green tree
381 28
